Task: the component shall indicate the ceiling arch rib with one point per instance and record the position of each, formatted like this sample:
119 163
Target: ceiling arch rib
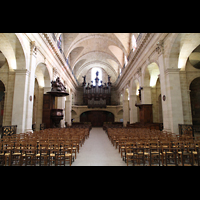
74 54
117 52
125 39
107 50
105 37
88 66
104 65
97 55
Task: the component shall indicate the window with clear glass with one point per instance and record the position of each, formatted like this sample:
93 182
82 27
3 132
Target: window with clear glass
134 44
93 75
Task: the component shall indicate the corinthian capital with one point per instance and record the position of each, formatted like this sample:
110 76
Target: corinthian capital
160 47
33 48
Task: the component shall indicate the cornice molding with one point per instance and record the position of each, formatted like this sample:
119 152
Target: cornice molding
55 51
52 45
140 57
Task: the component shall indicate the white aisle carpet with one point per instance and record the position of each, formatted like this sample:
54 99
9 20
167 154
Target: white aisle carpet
98 151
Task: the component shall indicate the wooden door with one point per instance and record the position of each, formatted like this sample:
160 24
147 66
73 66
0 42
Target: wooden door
97 118
48 104
146 115
195 101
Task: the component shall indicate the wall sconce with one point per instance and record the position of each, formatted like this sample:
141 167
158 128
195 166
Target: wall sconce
164 98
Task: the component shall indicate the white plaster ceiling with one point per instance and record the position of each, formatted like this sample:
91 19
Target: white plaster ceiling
88 50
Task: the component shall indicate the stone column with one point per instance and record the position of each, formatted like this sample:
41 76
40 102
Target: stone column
133 109
61 105
20 99
125 112
174 98
163 85
68 108
146 95
30 89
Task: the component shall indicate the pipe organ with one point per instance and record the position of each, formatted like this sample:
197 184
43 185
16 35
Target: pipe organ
97 96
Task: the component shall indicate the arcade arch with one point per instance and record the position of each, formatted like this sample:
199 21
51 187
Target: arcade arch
195 101
42 84
151 92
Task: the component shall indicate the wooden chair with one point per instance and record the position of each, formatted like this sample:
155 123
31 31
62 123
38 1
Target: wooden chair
143 152
44 157
131 154
138 156
166 152
8 147
122 142
195 153
182 151
186 154
170 155
68 147
2 157
75 146
29 156
155 153
59 158
16 157
123 149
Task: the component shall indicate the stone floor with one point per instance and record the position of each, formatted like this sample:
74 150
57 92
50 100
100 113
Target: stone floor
98 151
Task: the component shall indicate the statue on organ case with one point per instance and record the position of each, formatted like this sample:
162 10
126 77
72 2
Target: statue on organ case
84 82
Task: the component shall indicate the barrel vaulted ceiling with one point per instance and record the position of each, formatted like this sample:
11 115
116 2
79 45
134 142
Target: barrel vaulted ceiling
103 50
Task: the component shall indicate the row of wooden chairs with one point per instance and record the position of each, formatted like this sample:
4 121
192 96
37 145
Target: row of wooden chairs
180 153
33 157
140 144
46 147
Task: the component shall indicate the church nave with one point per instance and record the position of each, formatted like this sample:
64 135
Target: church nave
98 151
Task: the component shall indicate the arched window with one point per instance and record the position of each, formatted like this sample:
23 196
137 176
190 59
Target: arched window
93 75
134 44
125 60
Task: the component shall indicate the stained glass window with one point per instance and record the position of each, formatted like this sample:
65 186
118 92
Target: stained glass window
59 43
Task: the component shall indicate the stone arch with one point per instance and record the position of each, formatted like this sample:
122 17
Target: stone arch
97 117
42 85
43 75
74 115
134 86
151 72
120 115
126 94
8 78
120 112
182 46
13 51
